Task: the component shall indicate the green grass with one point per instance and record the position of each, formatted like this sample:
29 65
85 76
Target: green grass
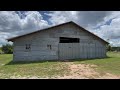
110 64
39 69
49 69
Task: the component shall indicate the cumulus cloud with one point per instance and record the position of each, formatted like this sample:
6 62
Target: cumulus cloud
105 24
110 31
58 17
83 18
3 37
9 21
33 21
12 21
16 23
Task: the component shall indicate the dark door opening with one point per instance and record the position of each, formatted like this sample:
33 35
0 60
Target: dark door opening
68 40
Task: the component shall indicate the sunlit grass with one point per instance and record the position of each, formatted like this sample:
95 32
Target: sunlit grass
110 64
54 68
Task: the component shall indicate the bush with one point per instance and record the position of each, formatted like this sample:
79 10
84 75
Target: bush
7 49
109 48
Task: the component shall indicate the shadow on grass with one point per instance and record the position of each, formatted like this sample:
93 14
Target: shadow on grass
43 61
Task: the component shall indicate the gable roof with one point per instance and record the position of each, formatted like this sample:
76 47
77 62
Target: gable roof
12 39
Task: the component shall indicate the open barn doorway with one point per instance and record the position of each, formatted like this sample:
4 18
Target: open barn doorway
68 48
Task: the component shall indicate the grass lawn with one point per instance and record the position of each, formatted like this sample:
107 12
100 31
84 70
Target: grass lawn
110 64
9 69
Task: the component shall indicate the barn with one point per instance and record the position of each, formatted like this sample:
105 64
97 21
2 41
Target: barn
64 41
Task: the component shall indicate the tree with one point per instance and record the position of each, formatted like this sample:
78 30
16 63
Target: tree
109 48
7 49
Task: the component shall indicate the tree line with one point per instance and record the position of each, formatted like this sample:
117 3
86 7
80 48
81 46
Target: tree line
7 49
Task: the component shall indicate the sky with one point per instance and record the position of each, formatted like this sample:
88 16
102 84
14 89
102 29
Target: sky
105 24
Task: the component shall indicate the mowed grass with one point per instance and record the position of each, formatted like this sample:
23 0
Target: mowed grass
110 64
9 69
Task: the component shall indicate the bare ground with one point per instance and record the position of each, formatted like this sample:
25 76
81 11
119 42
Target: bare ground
77 71
86 71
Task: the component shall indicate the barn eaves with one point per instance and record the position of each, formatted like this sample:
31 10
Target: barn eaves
12 39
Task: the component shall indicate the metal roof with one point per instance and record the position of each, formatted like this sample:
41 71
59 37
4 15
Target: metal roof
12 39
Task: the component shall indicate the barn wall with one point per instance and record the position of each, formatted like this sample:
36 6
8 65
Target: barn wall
40 40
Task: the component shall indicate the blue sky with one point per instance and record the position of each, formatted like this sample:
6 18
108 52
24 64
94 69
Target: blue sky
105 24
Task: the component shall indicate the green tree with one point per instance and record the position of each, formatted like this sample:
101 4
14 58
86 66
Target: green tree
109 48
7 49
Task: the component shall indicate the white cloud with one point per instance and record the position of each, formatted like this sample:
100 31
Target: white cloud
58 17
3 37
12 23
33 21
83 18
112 31
9 21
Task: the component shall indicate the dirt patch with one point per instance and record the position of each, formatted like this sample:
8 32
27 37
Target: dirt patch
76 71
86 71
109 76
80 71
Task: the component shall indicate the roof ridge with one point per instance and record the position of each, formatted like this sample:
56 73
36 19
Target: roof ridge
10 39
40 30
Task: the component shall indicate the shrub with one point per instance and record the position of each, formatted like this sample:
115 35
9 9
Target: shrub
109 48
7 49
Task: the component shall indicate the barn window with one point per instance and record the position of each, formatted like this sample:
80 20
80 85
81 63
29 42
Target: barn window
28 47
49 46
68 40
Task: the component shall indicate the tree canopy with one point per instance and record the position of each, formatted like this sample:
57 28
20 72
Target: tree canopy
7 49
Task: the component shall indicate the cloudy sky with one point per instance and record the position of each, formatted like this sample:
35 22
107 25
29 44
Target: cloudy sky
105 24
